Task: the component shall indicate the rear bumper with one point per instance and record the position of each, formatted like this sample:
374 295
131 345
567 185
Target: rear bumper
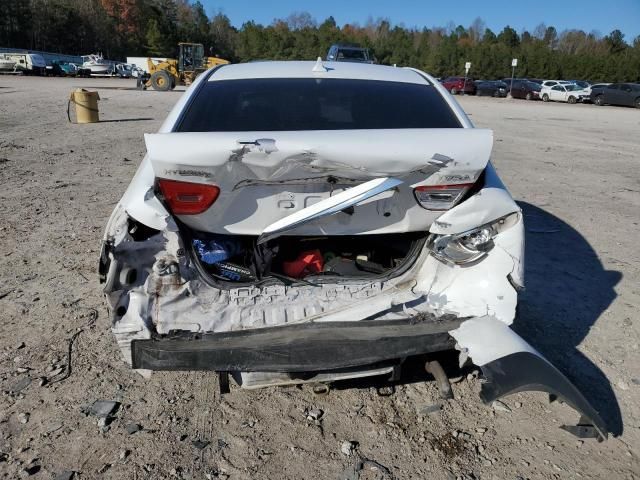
296 348
509 364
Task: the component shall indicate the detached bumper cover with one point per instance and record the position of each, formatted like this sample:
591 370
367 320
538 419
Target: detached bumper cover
511 365
296 348
524 371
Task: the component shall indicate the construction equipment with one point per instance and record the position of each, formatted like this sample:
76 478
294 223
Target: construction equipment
191 62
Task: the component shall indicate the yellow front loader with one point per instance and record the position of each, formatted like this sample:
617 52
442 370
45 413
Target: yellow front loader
191 62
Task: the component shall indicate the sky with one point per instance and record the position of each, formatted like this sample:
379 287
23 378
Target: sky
601 15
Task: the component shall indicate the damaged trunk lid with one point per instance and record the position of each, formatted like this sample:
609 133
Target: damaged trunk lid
299 182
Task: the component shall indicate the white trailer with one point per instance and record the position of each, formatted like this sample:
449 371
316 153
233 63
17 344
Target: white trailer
28 63
141 62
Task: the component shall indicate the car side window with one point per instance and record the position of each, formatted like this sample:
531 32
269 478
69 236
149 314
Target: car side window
625 87
557 88
614 86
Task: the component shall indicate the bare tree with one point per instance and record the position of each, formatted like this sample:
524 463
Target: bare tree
540 31
476 30
300 20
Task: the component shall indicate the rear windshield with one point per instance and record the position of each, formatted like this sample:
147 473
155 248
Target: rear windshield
286 104
352 53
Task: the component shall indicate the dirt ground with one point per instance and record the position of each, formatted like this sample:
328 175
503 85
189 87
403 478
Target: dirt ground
573 168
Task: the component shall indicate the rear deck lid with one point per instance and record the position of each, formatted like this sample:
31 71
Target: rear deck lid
266 176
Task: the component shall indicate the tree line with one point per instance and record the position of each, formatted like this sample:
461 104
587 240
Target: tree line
121 28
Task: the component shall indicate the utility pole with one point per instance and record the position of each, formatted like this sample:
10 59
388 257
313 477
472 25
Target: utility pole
514 64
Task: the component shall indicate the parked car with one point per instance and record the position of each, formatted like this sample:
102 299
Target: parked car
457 85
590 88
62 68
525 89
509 79
124 70
551 83
136 71
625 94
491 88
546 86
348 53
581 83
284 228
571 93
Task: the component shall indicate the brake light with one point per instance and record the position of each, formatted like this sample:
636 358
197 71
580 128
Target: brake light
440 197
186 198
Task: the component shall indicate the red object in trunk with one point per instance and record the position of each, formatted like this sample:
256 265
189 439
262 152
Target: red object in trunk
307 263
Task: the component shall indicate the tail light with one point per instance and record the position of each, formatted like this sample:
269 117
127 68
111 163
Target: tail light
440 197
186 198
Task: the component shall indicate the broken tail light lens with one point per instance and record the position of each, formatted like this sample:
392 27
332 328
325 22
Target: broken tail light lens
471 245
440 197
186 198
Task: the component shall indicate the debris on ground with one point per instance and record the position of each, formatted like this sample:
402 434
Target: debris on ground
499 406
66 475
132 428
200 444
101 408
30 470
430 409
366 469
55 372
314 414
348 447
20 385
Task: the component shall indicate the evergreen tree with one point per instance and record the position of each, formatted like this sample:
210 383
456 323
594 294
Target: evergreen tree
120 28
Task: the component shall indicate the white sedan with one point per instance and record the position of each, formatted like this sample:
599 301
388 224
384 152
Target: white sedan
565 93
302 222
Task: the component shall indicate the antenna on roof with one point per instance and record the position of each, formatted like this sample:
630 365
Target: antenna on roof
319 67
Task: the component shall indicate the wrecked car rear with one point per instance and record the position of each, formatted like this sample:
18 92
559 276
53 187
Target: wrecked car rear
298 222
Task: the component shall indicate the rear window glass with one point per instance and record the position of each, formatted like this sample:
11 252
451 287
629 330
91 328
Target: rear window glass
286 104
354 54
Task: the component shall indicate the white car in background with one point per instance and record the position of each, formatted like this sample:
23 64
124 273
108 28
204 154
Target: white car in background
307 222
571 93
551 83
546 85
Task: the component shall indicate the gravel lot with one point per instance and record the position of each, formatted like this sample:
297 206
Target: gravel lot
573 168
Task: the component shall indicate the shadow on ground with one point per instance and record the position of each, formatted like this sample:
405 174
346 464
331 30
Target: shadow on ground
116 120
567 290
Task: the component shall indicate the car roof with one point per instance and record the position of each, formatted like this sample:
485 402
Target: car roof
304 69
349 47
